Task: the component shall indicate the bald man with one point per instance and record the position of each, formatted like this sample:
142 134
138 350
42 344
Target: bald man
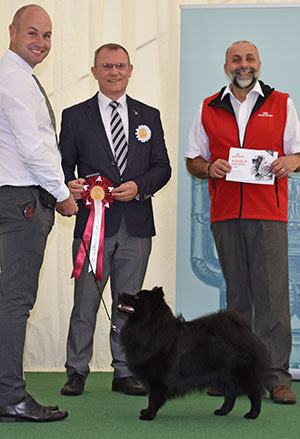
249 221
31 187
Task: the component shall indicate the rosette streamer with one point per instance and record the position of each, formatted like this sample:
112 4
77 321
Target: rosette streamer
97 197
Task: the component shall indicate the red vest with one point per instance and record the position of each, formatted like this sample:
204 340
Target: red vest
265 130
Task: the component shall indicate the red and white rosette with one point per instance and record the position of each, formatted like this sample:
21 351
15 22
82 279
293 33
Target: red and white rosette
97 197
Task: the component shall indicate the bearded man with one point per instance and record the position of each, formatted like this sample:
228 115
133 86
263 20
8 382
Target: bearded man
249 221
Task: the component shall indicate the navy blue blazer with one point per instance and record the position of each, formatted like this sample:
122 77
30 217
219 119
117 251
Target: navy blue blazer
85 146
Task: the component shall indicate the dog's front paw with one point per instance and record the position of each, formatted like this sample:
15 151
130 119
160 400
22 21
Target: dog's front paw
251 415
147 415
220 412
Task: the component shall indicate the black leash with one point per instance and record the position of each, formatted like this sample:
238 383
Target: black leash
113 327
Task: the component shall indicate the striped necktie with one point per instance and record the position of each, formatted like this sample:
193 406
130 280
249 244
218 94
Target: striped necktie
118 138
50 109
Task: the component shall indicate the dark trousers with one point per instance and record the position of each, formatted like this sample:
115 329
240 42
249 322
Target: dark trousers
22 244
125 260
254 258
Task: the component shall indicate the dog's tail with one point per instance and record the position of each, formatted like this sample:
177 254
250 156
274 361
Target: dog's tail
253 363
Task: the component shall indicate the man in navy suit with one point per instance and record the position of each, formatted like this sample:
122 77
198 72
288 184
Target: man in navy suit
87 144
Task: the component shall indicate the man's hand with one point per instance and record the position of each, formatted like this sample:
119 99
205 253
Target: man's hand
282 166
198 168
76 187
67 207
125 192
219 168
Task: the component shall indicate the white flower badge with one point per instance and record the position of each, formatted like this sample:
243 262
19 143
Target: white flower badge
143 133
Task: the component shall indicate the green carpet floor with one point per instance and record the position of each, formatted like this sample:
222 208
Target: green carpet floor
102 414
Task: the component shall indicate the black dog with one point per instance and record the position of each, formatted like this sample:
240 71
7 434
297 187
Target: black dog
172 357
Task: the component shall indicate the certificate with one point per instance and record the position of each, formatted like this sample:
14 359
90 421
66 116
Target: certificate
251 165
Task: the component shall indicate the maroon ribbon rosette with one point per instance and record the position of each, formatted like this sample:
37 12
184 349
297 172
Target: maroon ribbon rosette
97 197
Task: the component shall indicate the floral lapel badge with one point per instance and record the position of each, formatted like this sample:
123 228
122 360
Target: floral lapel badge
143 133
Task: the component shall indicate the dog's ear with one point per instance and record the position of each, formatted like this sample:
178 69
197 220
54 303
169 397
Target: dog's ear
158 291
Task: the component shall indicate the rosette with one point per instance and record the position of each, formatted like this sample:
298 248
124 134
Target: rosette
97 197
143 133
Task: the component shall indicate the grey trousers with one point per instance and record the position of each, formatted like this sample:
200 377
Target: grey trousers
254 258
125 260
22 244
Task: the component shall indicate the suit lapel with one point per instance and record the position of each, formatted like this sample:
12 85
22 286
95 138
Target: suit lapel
94 116
134 120
133 123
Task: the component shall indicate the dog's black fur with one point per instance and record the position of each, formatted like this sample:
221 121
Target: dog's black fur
172 357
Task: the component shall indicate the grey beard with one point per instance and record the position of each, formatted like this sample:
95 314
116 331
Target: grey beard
243 83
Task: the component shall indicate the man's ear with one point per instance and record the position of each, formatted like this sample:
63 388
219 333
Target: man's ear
131 69
93 70
12 32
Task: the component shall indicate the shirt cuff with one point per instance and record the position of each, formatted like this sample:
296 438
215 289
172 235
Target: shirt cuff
62 194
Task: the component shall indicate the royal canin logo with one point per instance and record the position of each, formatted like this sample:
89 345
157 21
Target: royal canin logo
265 114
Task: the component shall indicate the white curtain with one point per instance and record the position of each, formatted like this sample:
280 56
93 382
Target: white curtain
150 30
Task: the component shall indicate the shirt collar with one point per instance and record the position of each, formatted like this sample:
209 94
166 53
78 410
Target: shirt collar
256 89
20 61
104 100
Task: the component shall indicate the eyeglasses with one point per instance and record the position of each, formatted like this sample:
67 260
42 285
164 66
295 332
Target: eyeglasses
108 66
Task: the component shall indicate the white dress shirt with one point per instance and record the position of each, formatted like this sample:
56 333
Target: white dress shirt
198 142
105 111
28 150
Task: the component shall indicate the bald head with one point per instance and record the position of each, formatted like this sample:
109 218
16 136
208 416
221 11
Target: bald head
18 15
30 34
237 44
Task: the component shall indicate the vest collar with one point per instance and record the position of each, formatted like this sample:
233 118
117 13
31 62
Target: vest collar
225 103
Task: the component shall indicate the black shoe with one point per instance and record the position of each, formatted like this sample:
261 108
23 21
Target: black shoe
29 410
128 385
52 408
74 385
